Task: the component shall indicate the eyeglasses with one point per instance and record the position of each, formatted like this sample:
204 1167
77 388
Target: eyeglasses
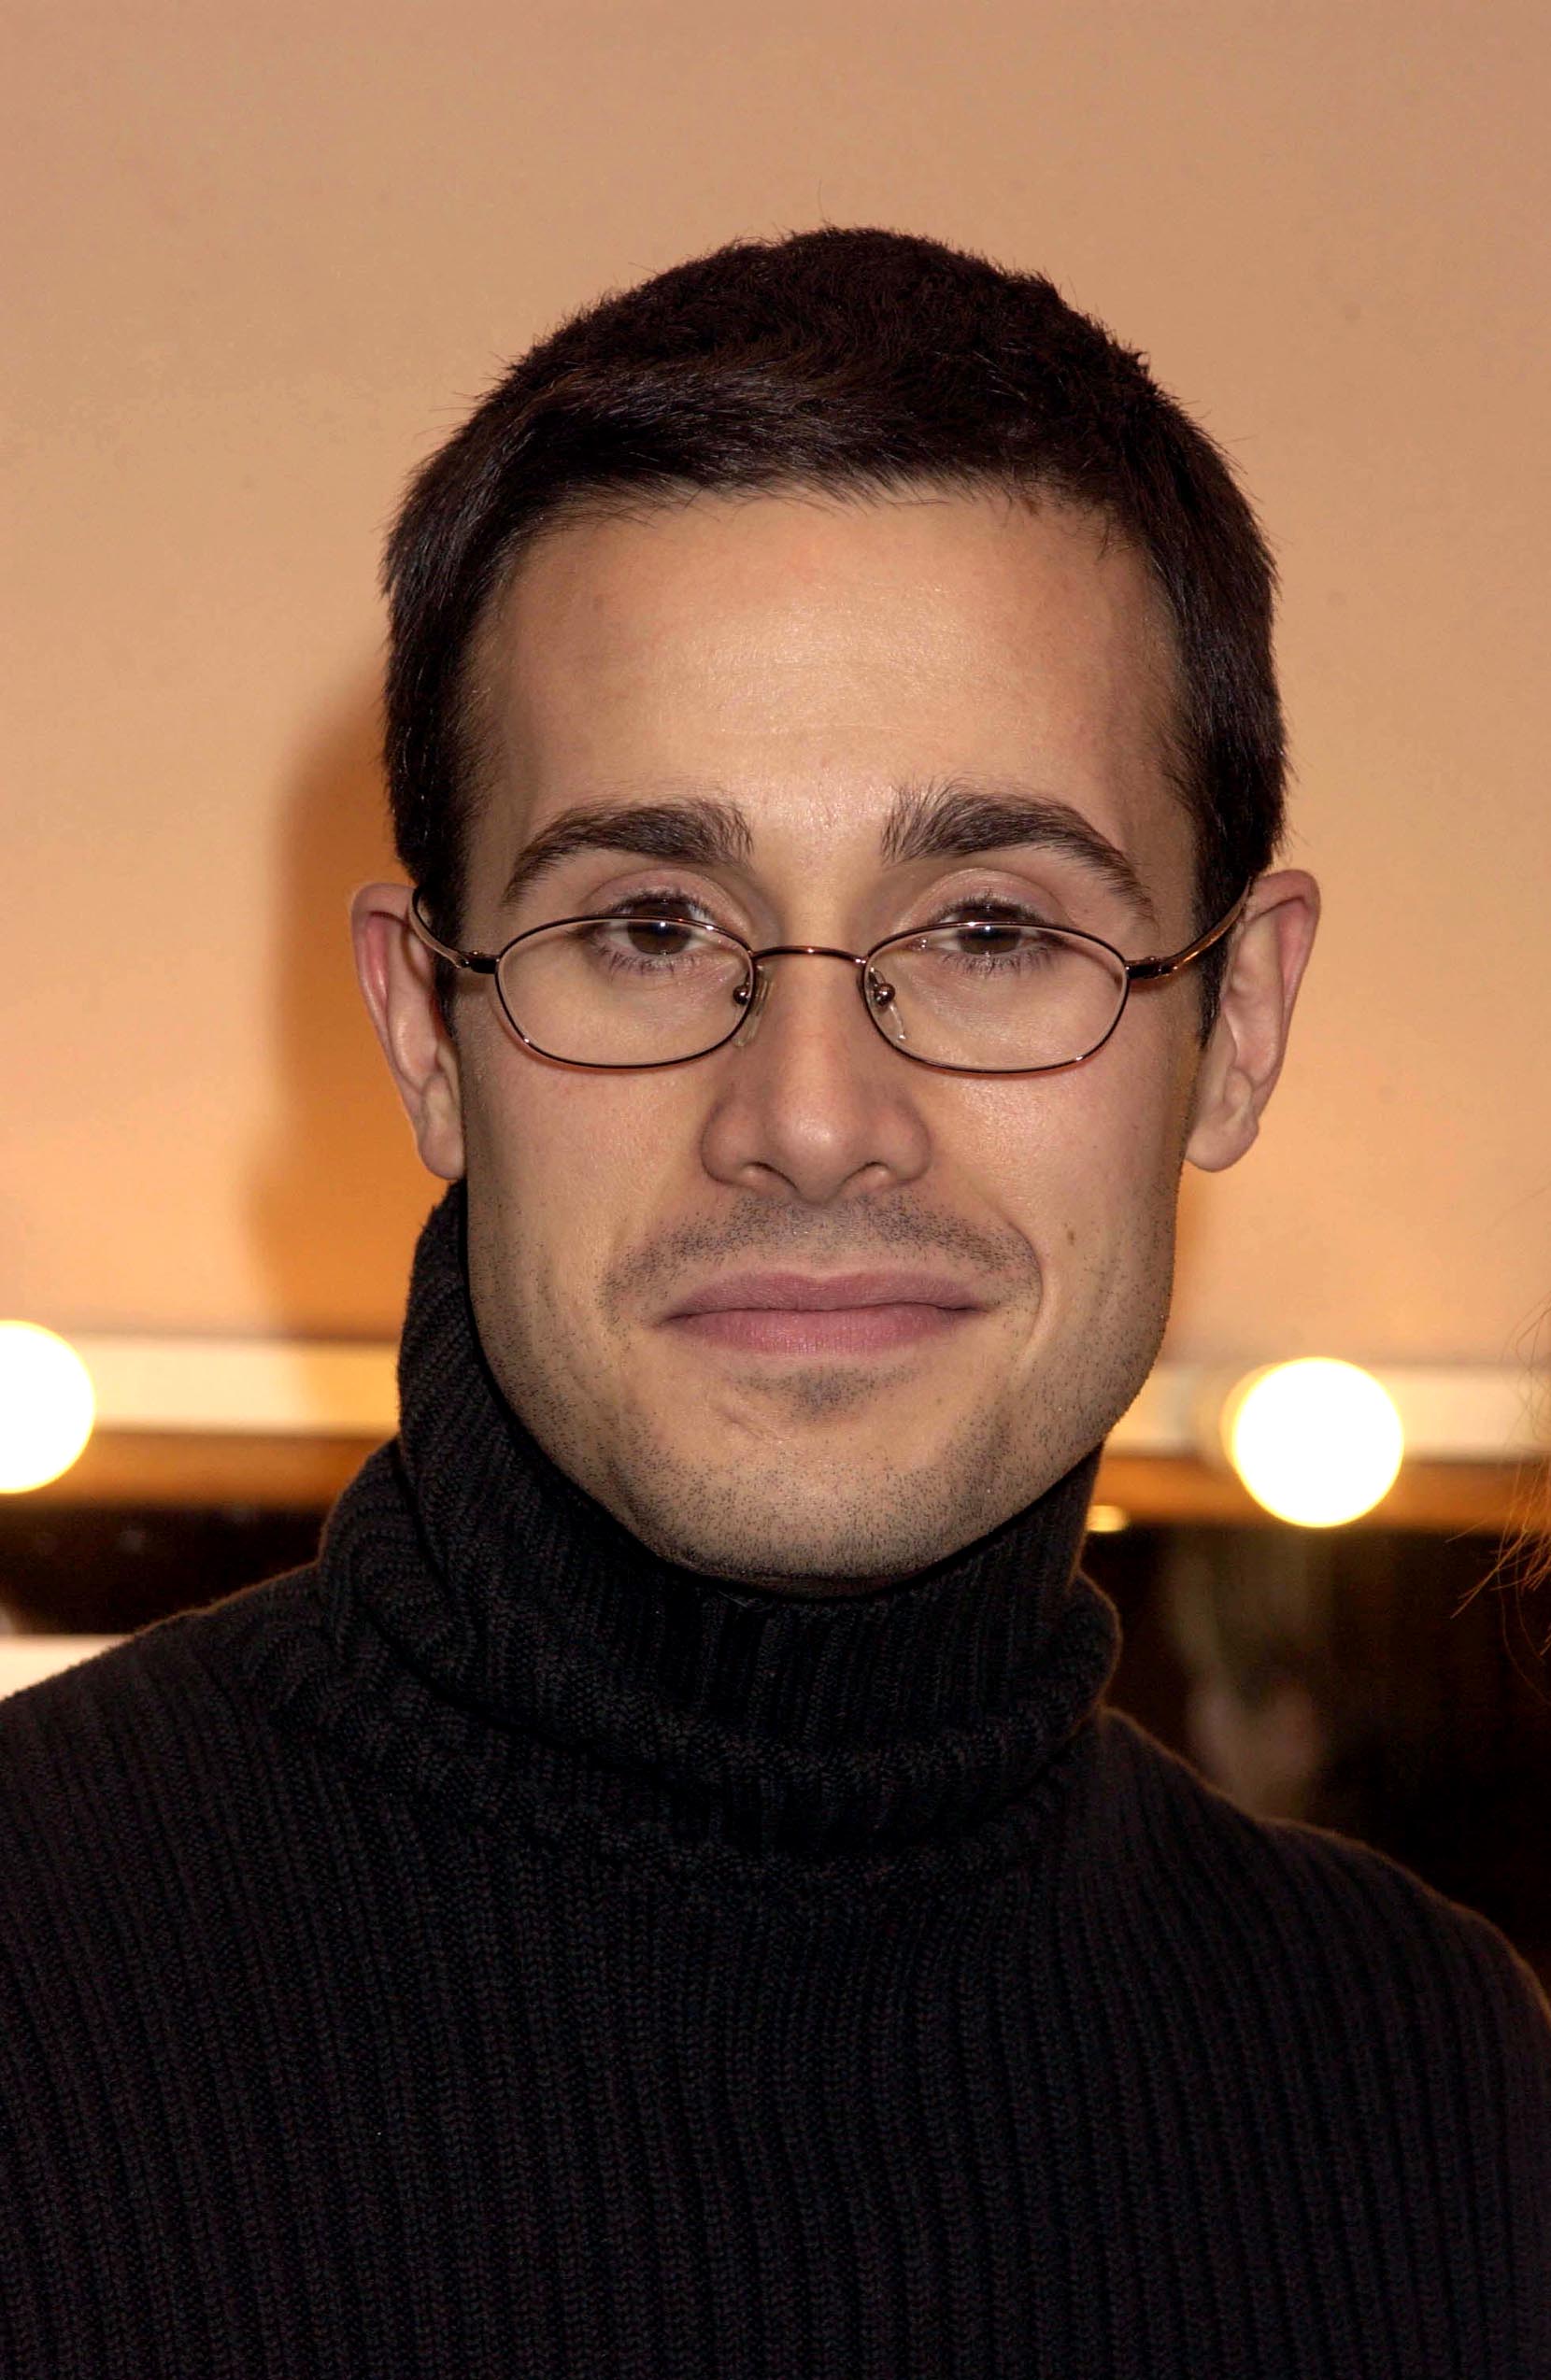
984 995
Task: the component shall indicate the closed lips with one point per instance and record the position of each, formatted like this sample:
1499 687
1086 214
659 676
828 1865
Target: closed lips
799 1293
776 1315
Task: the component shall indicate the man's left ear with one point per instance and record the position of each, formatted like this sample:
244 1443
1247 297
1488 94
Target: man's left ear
1269 952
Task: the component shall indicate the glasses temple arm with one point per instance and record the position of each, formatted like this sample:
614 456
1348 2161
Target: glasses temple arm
479 962
1158 970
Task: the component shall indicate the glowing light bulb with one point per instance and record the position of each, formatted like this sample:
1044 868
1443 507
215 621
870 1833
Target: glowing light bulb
46 1406
1314 1442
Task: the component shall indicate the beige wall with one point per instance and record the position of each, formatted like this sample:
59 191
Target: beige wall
260 259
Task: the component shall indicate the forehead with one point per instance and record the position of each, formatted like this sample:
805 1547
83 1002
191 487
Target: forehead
806 657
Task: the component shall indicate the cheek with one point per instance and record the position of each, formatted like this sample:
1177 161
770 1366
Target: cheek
566 1170
1062 1142
1085 1166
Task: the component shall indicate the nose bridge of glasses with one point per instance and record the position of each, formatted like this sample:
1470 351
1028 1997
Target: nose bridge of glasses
806 949
758 992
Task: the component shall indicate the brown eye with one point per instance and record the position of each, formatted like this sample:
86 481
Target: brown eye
655 936
988 938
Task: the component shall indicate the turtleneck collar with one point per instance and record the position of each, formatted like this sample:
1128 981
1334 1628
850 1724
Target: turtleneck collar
653 1699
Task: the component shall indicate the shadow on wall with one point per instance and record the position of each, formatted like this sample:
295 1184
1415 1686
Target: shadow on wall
1192 1233
338 1193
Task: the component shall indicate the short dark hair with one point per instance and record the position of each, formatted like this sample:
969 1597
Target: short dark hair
868 362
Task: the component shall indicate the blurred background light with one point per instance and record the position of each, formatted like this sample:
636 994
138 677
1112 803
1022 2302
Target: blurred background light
1107 1520
46 1406
1315 1442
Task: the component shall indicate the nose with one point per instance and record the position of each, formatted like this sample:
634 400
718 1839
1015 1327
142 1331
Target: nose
808 1102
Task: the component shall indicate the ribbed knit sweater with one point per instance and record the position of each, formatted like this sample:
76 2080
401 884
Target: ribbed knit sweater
492 1952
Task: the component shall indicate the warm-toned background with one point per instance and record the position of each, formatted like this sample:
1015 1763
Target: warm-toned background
261 260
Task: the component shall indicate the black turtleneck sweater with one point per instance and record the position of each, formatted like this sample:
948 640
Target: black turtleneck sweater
492 1952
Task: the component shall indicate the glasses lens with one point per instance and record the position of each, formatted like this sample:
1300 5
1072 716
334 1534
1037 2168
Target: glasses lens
996 996
625 991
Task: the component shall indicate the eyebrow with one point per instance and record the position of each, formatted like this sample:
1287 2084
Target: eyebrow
956 819
963 816
697 833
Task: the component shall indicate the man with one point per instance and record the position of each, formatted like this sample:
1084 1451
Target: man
662 1895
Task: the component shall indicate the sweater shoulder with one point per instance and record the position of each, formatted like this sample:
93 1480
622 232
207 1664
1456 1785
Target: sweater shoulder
96 1750
1349 1926
195 1641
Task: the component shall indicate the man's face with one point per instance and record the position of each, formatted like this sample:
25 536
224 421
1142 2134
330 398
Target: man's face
647 1248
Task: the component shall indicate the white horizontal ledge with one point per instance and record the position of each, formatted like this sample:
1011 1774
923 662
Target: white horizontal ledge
316 1388
257 1387
1450 1413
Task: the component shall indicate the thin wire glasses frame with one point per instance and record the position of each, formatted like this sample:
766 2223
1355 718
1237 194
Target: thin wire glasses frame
877 994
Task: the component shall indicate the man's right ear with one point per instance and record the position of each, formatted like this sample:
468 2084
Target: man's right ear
398 982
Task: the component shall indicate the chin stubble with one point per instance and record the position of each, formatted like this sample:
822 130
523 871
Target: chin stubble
762 1505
